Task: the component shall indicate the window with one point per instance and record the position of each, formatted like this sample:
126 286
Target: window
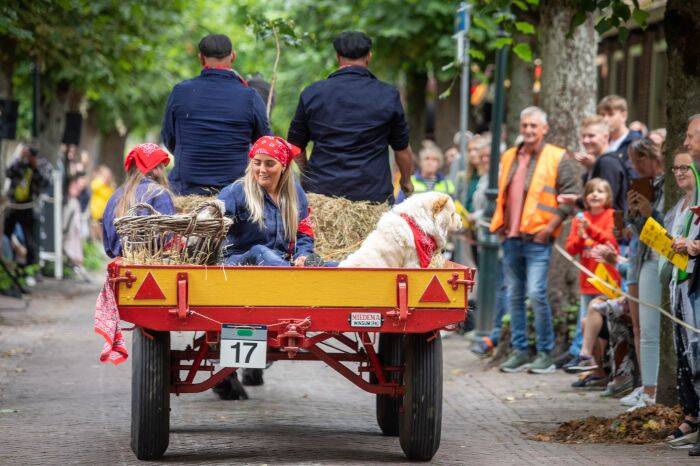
634 63
615 75
657 91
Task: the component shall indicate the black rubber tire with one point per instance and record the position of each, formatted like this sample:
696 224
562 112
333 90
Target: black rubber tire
420 420
389 352
150 394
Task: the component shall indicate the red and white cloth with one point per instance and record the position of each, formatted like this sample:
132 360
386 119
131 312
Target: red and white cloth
424 243
107 324
276 147
146 157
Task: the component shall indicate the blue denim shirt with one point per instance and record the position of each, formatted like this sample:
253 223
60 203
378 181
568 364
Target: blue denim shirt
161 202
352 118
244 234
210 122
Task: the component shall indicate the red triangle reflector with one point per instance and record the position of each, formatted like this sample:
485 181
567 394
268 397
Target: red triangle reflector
149 289
434 293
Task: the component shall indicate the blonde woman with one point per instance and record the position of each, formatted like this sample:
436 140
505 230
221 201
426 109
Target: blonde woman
269 209
145 183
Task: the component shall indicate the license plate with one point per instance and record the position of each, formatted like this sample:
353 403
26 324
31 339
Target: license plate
243 346
365 319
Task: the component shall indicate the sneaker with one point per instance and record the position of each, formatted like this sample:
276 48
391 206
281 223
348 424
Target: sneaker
543 364
684 441
631 399
643 401
617 389
518 361
30 281
590 382
562 360
482 348
580 364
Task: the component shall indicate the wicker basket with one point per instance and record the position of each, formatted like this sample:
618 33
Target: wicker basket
172 239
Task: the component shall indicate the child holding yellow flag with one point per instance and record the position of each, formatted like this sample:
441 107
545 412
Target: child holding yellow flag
593 227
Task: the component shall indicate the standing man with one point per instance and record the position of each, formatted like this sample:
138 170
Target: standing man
613 109
28 177
598 162
352 117
529 217
211 121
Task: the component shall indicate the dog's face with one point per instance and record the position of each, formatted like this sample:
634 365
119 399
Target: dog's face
445 214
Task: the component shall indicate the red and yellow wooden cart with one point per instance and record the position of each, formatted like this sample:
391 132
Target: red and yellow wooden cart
388 320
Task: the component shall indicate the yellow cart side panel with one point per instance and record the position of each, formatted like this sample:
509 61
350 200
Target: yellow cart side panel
289 287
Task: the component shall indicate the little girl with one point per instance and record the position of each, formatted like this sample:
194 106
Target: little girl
145 184
590 228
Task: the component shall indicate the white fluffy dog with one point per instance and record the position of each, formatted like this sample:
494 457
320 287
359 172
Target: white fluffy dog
391 244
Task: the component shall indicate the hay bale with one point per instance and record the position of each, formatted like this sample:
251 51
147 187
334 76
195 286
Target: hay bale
341 225
187 204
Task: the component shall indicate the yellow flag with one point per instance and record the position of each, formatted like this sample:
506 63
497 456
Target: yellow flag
602 276
464 213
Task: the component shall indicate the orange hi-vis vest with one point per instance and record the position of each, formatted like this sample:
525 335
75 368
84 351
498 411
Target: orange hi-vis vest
540 204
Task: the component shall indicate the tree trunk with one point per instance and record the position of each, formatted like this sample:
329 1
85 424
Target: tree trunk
568 70
446 114
112 152
520 90
52 119
416 82
682 30
568 95
90 138
7 66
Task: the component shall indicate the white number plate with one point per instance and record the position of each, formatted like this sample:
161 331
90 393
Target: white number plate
243 346
365 319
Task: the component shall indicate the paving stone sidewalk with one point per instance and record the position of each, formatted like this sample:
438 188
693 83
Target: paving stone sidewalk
59 405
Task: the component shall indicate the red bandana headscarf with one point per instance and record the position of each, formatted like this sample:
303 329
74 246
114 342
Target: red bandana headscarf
275 147
146 157
425 244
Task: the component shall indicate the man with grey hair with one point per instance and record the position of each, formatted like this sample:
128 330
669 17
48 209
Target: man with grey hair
692 138
528 217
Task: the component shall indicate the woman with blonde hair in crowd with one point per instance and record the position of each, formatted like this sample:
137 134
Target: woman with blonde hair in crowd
101 189
647 161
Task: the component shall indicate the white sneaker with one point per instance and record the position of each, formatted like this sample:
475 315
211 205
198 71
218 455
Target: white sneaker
632 398
30 281
643 401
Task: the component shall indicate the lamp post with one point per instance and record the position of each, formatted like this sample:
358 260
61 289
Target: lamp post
488 242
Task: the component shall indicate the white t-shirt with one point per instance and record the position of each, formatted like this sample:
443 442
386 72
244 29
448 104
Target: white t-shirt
615 143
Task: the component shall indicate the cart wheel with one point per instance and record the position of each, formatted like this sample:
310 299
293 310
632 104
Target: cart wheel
387 405
150 394
420 420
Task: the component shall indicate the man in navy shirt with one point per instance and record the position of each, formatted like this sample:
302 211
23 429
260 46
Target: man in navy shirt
210 122
352 118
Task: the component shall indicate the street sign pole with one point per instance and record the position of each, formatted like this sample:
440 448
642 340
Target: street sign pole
489 243
463 22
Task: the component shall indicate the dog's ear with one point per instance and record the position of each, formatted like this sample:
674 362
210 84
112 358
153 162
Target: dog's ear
439 204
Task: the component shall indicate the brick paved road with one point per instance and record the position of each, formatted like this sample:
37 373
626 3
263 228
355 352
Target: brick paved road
71 409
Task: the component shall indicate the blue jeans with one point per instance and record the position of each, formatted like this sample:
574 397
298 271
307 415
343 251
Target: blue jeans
257 255
526 265
577 342
501 303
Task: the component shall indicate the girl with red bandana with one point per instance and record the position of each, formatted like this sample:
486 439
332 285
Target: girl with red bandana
269 209
145 184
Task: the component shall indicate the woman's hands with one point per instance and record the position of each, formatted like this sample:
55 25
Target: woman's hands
680 245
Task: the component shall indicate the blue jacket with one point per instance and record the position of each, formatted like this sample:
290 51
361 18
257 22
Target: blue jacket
209 124
352 119
162 202
622 154
244 234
